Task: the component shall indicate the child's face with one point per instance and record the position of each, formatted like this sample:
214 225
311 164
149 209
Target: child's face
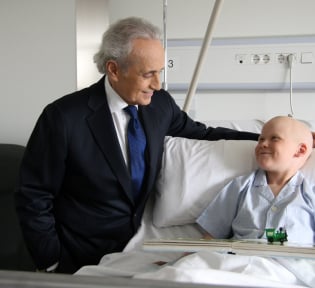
276 148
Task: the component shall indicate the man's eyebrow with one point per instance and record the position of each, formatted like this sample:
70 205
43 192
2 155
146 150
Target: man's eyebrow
158 71
153 72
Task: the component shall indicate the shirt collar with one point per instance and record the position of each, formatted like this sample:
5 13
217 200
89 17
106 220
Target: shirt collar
115 102
261 179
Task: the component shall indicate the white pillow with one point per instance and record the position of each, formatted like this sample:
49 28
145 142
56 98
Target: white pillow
194 171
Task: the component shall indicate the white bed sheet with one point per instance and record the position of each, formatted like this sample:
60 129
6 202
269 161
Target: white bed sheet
206 267
203 267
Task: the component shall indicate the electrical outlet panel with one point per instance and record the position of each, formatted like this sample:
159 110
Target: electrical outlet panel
265 58
276 58
253 65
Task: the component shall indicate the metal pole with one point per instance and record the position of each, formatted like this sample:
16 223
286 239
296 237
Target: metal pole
202 54
165 86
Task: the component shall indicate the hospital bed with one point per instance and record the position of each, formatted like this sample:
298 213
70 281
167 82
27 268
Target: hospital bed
192 173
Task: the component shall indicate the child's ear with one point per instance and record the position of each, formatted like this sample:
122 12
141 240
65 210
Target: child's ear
302 150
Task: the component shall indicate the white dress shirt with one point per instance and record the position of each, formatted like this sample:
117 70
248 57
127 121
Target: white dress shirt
120 117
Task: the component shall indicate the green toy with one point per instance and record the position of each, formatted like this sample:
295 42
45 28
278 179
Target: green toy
274 235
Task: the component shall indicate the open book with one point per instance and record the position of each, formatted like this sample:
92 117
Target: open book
258 247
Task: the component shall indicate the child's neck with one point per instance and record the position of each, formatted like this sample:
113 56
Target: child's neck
276 181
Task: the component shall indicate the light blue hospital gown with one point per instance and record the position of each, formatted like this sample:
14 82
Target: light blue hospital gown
246 206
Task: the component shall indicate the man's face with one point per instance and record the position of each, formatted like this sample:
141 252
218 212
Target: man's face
136 83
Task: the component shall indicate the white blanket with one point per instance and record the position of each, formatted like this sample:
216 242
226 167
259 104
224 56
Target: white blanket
206 267
203 267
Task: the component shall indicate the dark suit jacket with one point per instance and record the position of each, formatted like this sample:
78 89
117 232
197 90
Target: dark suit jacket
74 195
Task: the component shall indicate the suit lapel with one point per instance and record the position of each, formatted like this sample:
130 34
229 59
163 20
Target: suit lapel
151 128
103 129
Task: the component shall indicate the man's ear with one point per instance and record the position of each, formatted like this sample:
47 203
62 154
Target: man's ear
112 70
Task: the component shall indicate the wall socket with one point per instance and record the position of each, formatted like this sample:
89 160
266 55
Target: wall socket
261 58
282 58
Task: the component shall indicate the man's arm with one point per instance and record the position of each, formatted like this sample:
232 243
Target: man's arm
41 175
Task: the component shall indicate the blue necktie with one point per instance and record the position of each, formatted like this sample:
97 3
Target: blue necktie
137 144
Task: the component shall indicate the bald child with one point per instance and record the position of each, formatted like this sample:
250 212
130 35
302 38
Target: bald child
275 195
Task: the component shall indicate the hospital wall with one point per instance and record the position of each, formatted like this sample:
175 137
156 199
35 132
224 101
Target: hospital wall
47 48
37 61
258 23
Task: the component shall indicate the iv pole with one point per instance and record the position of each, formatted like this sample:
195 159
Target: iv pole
202 54
165 86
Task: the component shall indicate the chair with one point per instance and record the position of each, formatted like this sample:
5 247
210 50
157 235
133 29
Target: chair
13 252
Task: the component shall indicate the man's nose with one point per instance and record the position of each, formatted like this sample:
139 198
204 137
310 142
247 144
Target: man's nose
156 82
